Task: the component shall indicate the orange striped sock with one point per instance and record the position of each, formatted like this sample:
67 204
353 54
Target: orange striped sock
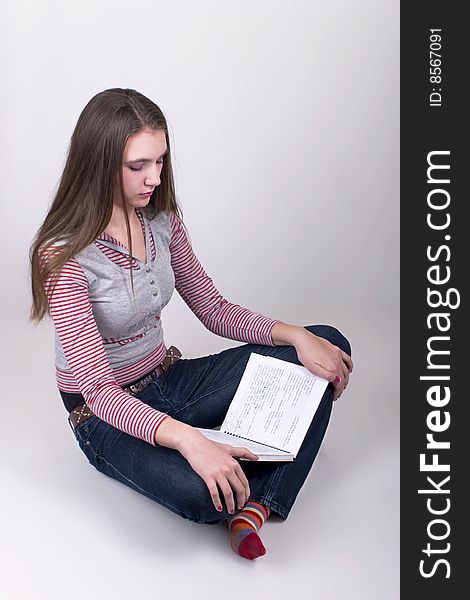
243 530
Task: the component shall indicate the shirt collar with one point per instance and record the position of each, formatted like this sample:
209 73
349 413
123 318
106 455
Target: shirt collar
105 237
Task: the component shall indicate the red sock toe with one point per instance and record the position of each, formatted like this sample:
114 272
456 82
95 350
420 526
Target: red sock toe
251 546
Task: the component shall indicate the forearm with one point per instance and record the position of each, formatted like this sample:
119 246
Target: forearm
284 334
232 321
175 434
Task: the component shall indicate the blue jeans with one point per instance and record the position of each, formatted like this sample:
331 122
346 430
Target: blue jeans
198 391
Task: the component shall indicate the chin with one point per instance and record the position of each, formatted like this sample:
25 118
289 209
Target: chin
139 202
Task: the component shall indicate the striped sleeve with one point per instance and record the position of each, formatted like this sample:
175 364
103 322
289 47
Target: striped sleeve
71 311
197 289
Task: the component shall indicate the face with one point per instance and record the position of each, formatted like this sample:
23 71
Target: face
141 167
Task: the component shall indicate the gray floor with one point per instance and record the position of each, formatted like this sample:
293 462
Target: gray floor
71 532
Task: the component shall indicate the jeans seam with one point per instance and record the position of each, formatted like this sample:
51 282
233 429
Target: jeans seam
84 430
273 481
142 490
198 398
273 505
162 391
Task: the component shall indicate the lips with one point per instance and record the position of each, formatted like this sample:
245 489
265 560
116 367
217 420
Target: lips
146 193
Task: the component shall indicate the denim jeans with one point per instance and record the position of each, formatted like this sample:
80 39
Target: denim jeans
198 391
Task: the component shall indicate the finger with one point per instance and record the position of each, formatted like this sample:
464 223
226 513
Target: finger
341 388
338 389
239 488
348 360
227 492
246 486
322 372
238 452
214 492
337 394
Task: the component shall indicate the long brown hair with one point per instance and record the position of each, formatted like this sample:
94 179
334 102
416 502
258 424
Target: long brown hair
83 204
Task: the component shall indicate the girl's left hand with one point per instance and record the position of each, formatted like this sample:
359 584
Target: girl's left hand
324 359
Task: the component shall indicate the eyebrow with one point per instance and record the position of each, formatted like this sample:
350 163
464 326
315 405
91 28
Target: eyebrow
145 160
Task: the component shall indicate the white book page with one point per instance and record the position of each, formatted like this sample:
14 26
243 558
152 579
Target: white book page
263 452
275 403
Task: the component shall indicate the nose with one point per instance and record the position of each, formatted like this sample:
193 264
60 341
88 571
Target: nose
153 179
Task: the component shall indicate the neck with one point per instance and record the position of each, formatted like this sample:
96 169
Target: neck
118 219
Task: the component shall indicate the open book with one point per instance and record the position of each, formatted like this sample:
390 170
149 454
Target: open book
272 408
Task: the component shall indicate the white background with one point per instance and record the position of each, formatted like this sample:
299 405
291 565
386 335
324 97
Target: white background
284 129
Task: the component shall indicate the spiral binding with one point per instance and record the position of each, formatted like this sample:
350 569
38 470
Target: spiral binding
255 442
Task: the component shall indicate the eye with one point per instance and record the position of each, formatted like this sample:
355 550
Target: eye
135 168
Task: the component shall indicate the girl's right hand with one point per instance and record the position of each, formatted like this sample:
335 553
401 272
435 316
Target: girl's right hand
217 465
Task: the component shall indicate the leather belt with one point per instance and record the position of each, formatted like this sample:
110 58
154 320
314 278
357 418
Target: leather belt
83 412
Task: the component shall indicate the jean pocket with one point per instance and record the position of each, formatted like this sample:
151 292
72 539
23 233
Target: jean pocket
83 430
156 395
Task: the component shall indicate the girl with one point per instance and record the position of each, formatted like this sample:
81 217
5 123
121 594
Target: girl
104 263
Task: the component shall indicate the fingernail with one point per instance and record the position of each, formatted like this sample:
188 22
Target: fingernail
337 379
219 508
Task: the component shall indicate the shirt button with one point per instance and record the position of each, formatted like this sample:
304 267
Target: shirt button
152 282
147 270
155 293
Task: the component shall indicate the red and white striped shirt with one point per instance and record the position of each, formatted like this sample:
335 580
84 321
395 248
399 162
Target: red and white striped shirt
105 340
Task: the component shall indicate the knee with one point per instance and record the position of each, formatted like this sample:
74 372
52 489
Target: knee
331 334
199 505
